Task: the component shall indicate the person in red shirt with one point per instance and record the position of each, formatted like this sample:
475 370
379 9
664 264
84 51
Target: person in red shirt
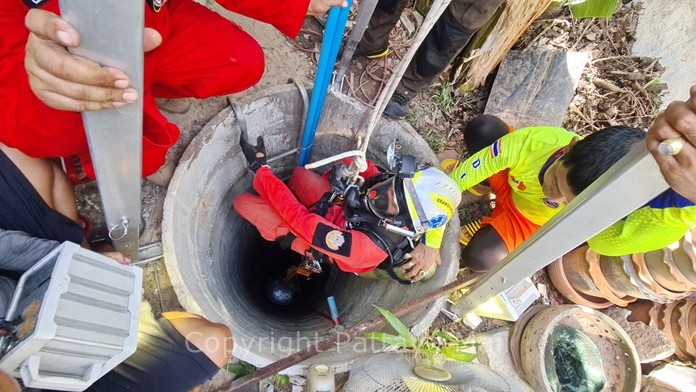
191 52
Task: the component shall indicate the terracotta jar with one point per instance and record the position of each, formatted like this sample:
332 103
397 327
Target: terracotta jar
613 293
671 327
558 278
687 321
644 275
577 271
660 271
676 270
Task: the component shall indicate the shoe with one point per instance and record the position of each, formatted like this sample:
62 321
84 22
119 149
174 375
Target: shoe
174 105
162 176
375 54
398 106
468 230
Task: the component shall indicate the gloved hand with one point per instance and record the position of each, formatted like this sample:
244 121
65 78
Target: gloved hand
338 182
254 154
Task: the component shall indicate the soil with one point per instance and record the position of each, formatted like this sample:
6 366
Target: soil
616 88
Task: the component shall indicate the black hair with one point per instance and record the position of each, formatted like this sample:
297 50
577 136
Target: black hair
590 157
482 131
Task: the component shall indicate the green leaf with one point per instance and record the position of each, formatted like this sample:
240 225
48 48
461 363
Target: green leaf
281 381
390 339
447 336
458 354
398 326
593 8
241 368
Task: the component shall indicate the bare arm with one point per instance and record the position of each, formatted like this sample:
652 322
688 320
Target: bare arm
678 120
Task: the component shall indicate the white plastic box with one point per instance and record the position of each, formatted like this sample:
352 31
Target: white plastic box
511 303
87 322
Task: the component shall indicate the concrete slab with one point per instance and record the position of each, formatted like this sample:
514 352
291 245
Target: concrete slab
496 348
535 87
665 31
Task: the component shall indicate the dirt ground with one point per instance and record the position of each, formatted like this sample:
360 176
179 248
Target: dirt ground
615 88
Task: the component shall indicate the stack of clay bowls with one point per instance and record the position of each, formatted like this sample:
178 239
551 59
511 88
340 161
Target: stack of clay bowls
676 319
595 281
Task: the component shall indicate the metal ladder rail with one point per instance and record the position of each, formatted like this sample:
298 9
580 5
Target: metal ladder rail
111 33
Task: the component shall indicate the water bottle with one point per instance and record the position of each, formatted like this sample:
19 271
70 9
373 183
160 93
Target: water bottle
320 378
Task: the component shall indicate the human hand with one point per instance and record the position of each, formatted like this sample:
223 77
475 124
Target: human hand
678 120
422 260
68 82
321 7
338 182
118 256
254 154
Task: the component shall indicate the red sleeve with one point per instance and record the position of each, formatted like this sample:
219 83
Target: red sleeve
18 105
353 251
285 15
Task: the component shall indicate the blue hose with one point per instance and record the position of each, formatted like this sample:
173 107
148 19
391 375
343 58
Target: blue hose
333 35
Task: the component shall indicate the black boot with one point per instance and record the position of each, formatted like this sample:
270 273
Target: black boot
398 105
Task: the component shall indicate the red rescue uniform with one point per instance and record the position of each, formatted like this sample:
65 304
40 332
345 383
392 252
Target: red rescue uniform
282 209
202 54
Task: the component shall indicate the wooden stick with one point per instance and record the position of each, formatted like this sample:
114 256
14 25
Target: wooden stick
249 382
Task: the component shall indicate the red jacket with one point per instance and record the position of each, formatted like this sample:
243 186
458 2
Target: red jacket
351 250
23 116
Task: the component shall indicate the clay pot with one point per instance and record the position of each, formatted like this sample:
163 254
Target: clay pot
687 321
619 356
646 291
640 311
675 269
684 263
516 335
644 275
559 280
612 293
670 323
657 311
576 268
659 270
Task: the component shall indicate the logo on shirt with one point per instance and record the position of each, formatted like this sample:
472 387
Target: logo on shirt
550 203
496 149
334 239
438 221
156 5
518 184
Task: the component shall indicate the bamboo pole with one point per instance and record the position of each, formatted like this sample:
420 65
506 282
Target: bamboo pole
250 382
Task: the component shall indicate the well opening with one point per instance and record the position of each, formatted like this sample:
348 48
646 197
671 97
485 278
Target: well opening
219 264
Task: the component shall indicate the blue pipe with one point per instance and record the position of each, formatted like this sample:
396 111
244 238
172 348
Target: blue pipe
330 45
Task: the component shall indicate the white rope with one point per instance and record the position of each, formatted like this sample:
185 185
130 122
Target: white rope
434 14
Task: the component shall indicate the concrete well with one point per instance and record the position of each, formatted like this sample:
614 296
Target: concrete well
218 263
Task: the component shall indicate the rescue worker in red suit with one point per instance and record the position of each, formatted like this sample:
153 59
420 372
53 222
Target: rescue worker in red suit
193 52
369 230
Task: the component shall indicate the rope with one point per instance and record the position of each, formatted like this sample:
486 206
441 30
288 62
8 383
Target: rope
359 163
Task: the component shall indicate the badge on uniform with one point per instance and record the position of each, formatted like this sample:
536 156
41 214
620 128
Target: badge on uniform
332 240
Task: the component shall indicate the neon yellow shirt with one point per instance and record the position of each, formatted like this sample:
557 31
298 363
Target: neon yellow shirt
524 152
664 220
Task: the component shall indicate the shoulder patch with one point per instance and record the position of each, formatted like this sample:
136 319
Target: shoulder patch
332 240
35 3
496 149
